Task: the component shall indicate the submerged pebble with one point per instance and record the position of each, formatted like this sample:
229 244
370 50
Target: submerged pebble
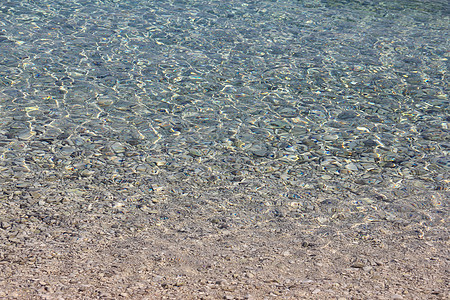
345 115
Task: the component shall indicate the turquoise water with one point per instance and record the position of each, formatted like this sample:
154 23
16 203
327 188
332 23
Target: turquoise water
345 98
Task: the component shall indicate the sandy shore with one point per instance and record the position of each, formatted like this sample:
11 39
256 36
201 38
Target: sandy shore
94 245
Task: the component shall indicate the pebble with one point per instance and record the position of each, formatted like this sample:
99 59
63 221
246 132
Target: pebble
23 184
288 112
322 220
259 150
87 173
358 265
351 167
348 114
104 101
118 147
25 135
141 168
331 137
5 225
118 205
367 268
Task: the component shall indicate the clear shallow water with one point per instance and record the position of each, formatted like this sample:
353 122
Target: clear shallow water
341 97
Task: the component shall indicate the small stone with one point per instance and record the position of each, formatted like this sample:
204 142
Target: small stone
291 157
362 129
160 163
370 143
279 124
26 135
35 194
4 225
23 185
351 167
345 115
104 101
67 151
330 137
141 168
288 112
358 265
367 268
195 153
87 173
118 147
322 220
119 205
259 150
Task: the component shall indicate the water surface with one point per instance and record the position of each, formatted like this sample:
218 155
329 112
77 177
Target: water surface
346 98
